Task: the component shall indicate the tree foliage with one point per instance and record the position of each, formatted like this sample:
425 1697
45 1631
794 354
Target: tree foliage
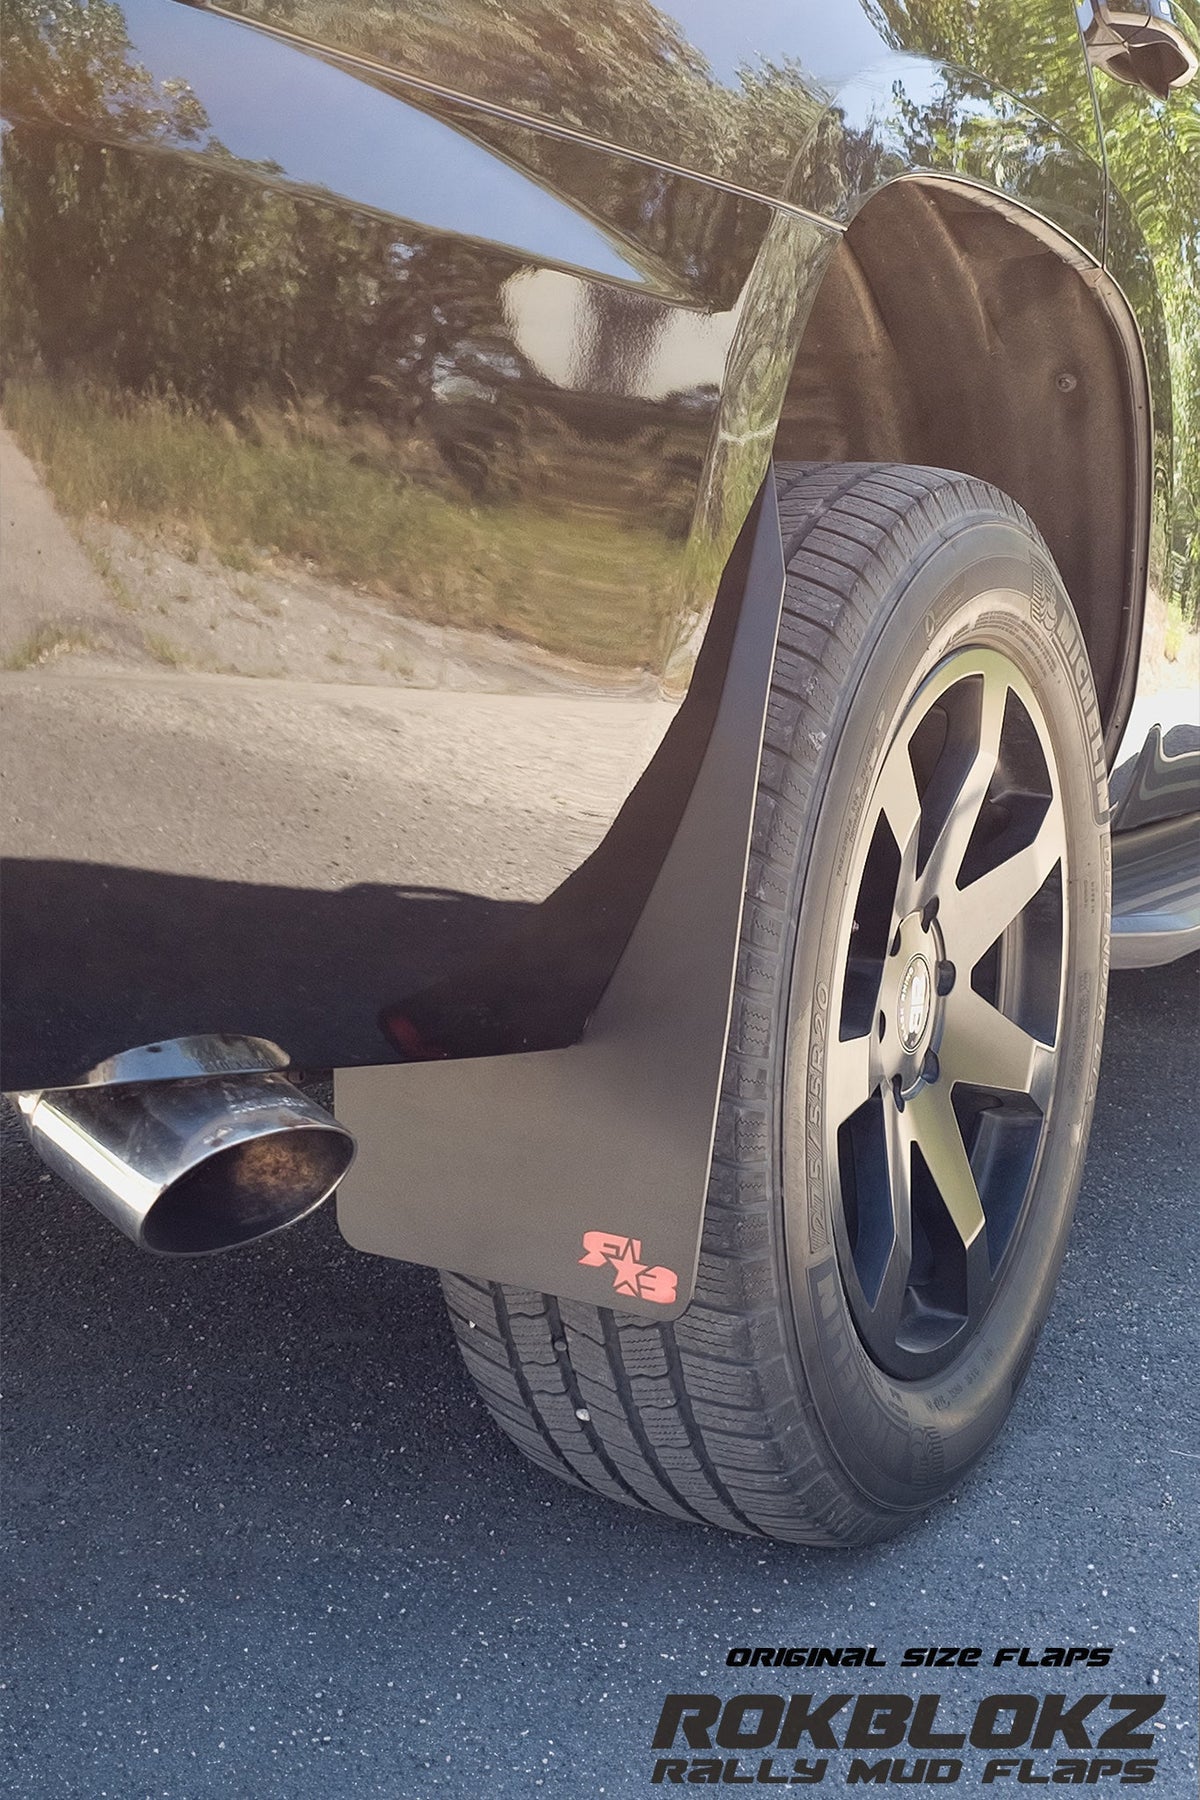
72 61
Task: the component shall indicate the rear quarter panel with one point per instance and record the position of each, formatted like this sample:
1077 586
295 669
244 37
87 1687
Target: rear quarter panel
371 479
386 388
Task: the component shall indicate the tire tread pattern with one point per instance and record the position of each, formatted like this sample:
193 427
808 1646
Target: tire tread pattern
707 1419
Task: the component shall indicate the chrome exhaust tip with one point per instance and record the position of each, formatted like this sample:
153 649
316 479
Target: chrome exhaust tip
190 1165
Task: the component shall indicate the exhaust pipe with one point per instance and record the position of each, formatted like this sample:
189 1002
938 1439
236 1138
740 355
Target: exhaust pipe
192 1146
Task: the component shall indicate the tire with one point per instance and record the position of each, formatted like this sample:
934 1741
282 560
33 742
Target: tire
821 1388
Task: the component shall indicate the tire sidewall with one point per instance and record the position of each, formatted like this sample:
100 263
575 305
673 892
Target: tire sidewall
984 582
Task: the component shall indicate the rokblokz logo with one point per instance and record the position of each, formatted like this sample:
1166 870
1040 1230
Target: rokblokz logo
1041 1739
632 1276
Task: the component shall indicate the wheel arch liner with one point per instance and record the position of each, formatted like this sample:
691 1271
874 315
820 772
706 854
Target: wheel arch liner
582 1171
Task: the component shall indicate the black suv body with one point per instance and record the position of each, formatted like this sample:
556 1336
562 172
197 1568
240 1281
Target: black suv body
416 419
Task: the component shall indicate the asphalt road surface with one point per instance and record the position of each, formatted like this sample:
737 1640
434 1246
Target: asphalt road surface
263 1541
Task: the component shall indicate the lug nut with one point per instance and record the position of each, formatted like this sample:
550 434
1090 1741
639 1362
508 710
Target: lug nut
929 913
945 977
930 1068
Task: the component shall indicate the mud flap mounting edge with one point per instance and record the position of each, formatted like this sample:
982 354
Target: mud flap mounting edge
582 1171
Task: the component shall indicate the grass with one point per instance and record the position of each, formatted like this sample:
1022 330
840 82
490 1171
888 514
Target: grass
42 645
238 557
163 650
390 664
1175 638
102 562
577 587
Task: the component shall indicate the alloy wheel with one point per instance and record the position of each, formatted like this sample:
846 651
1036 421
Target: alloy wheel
951 960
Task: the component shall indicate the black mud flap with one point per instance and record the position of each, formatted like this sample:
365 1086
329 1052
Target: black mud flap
582 1171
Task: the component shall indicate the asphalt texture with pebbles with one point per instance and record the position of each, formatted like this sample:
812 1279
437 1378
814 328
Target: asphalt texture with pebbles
262 1540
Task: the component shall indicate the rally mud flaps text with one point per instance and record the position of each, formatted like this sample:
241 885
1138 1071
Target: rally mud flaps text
1028 1740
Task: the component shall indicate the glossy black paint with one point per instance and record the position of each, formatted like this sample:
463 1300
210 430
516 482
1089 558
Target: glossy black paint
404 387
497 497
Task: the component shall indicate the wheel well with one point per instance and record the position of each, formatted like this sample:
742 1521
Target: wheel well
951 333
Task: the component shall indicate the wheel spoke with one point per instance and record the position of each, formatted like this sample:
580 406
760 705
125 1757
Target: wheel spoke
851 1075
889 1302
975 916
896 794
936 1134
979 1276
950 846
984 1048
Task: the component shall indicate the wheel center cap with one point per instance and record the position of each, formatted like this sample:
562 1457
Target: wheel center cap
914 1002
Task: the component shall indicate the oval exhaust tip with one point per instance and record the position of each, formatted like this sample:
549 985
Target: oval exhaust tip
248 1191
190 1167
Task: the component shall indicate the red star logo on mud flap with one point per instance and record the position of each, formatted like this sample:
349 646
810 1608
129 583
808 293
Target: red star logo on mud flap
631 1275
628 1268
